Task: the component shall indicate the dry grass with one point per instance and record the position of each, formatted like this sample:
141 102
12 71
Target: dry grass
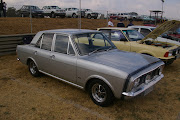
23 97
22 25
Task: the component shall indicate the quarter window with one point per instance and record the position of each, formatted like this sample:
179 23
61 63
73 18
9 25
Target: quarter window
47 41
62 45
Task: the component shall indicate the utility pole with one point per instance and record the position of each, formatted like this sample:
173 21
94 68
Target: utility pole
162 10
79 14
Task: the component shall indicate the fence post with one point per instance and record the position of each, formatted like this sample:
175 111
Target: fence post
107 18
31 18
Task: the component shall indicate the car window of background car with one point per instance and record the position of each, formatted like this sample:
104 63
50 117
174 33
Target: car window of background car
145 31
106 32
87 43
47 41
61 45
133 35
117 36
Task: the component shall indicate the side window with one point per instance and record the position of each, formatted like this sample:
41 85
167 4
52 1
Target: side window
136 29
47 41
106 32
117 36
62 44
145 31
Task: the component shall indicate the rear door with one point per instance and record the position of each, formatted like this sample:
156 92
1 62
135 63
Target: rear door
42 55
63 59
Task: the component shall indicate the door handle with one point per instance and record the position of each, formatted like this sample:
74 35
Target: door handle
52 57
35 53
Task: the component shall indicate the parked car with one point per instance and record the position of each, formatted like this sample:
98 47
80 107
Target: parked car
145 30
88 60
53 11
129 39
133 15
74 12
173 35
35 11
114 16
146 18
90 14
124 16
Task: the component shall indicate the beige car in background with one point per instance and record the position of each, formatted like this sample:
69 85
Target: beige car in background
128 39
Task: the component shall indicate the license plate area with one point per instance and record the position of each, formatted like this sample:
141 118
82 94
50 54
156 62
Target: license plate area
147 91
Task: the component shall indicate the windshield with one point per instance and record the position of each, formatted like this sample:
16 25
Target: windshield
152 28
133 35
75 9
55 7
92 42
35 8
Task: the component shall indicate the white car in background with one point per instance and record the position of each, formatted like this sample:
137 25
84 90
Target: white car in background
145 30
53 11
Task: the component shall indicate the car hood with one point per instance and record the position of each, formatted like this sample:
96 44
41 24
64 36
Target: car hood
124 61
166 26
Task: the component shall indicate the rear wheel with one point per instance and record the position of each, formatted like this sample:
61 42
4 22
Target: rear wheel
100 93
33 69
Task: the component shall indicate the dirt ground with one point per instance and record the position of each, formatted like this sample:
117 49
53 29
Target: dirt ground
24 97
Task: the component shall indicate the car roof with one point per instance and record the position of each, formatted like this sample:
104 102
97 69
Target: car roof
140 26
63 31
116 28
69 31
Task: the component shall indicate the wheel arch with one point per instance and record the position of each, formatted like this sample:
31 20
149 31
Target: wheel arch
31 59
100 78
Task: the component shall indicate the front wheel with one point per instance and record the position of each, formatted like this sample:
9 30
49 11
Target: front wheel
89 16
33 69
100 93
74 15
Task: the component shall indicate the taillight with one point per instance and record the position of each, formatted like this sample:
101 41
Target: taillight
166 54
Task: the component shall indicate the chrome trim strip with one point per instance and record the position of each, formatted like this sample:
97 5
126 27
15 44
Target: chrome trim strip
62 79
143 88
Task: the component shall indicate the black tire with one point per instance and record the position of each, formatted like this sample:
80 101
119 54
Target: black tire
100 93
33 69
169 62
89 16
73 15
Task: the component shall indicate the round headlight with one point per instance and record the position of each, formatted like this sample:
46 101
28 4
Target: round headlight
148 78
136 82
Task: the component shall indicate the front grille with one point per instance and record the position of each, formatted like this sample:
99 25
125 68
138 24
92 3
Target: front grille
83 13
94 14
152 74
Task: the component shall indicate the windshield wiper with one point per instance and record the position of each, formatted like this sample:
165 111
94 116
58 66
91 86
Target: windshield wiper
95 50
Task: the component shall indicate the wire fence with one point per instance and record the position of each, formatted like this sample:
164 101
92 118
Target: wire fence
46 12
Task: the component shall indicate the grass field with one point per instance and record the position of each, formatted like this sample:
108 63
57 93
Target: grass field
24 97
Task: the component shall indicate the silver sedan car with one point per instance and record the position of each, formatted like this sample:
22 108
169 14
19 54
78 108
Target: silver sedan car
89 60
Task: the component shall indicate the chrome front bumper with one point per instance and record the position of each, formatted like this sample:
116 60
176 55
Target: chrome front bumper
143 88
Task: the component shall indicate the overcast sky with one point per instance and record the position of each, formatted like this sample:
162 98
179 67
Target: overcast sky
171 7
